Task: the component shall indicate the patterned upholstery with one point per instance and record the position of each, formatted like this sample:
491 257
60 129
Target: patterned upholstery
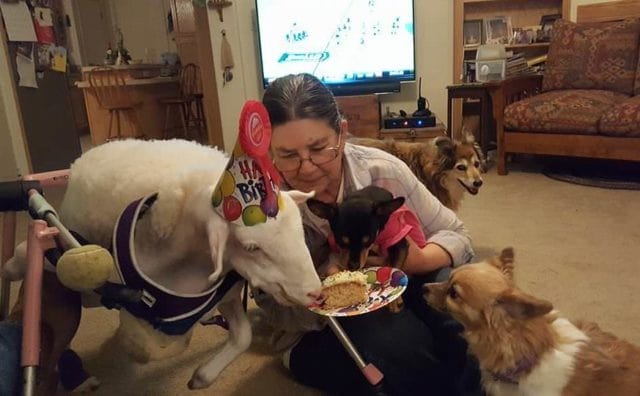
622 119
574 111
593 56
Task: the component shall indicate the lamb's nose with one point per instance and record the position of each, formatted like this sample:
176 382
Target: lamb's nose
477 183
315 294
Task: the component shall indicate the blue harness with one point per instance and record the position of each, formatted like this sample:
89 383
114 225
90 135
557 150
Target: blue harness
167 311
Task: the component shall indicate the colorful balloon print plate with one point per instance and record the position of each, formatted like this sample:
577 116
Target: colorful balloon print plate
385 284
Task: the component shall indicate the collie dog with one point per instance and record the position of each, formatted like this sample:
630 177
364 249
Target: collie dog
447 168
523 346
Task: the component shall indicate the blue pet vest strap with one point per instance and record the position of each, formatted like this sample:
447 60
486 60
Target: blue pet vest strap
166 310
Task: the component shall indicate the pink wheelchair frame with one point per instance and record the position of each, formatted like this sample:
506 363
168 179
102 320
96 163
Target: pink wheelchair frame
41 234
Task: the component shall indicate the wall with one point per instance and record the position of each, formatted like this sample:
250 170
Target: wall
434 54
13 156
576 3
144 26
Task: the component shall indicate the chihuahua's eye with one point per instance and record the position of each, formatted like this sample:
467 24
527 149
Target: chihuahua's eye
251 247
461 167
476 164
452 292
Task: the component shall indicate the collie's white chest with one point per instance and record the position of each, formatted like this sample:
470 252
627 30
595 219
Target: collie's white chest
553 372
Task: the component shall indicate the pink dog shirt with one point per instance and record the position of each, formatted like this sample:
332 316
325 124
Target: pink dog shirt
402 223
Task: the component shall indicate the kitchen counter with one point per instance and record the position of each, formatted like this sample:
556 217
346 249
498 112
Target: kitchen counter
137 81
147 91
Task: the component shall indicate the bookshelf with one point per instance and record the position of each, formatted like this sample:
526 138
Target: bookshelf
522 13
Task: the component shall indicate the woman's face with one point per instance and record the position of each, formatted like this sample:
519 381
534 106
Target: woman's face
304 139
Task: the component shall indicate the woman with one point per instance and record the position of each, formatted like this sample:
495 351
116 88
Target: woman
418 350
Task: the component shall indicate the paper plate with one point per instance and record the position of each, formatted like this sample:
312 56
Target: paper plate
385 284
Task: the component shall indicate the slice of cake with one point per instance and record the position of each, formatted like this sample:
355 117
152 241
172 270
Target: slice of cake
345 288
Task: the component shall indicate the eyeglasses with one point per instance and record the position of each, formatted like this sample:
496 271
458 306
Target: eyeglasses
317 157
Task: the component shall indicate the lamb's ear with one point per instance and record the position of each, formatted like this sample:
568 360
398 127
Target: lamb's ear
523 306
299 197
217 233
388 207
323 210
167 209
504 262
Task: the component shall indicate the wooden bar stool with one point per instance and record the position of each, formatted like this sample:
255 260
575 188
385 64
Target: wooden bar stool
112 94
190 97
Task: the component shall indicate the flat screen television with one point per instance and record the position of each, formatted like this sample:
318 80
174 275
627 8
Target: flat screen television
353 46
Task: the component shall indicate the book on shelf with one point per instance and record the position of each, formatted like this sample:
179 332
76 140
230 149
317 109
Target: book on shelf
516 64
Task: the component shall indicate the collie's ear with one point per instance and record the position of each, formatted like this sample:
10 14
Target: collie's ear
504 262
523 306
446 152
388 207
323 210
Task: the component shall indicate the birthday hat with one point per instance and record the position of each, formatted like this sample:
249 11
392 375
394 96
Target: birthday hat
247 193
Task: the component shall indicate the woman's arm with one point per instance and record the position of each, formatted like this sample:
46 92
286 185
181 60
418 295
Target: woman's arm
427 259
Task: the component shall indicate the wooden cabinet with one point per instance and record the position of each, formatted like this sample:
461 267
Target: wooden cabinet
193 43
521 13
363 114
413 134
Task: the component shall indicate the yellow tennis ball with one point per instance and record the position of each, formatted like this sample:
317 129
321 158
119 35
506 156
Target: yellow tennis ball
84 268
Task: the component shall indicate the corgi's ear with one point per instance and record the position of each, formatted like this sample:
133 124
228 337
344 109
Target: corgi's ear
323 210
388 207
504 262
523 306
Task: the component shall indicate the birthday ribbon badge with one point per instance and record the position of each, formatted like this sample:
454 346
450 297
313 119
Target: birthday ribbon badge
248 193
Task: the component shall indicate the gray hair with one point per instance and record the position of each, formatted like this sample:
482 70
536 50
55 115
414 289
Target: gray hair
301 96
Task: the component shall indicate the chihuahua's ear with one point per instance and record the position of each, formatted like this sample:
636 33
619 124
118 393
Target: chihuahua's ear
387 207
504 262
523 306
323 210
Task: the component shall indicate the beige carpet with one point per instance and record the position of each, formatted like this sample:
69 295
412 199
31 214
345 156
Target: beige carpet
576 246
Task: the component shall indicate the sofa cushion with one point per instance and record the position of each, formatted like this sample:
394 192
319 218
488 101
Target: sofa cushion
601 55
623 119
575 111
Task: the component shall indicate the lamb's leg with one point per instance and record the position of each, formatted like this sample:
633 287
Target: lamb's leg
239 340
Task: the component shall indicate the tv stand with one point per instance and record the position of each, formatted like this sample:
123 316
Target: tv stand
363 114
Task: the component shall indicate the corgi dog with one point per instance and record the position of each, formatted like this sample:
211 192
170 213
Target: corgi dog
447 168
523 346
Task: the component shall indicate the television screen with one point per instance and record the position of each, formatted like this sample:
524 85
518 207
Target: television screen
353 46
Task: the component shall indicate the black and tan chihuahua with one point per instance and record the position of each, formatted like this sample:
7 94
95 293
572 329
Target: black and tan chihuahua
356 223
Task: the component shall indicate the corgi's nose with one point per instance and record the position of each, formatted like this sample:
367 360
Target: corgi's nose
477 183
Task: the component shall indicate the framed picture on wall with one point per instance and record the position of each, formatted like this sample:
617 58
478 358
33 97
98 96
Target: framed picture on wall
472 33
498 30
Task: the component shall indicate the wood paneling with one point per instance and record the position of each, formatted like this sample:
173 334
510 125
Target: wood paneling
608 11
183 20
193 43
208 74
363 114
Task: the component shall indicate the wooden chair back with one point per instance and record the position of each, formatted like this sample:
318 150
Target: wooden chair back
109 87
190 81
